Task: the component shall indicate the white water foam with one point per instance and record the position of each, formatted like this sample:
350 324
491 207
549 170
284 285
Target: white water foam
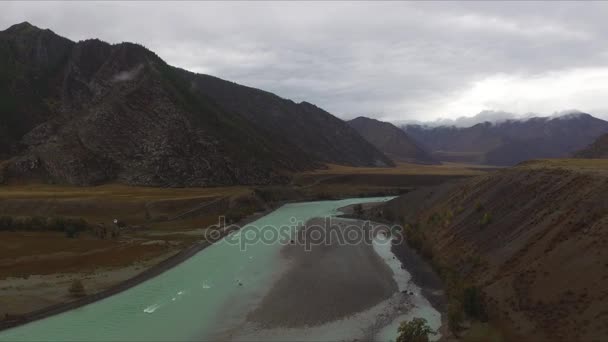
421 307
150 309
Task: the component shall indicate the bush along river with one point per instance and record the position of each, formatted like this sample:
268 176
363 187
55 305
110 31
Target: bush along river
271 280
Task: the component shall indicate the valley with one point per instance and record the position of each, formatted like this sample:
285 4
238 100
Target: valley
40 265
236 297
143 201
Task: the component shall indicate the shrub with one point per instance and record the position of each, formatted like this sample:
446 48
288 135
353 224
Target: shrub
482 332
38 223
57 224
238 213
77 289
416 330
358 209
473 303
486 219
435 218
71 231
459 210
22 223
455 316
6 223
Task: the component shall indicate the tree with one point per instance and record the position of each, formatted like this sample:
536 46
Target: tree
455 317
6 223
416 330
473 303
358 209
71 231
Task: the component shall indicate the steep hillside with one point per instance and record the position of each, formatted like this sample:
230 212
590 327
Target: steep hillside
310 128
90 112
391 140
599 149
533 239
512 141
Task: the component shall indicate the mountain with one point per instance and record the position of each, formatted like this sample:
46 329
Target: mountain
599 149
391 140
512 141
91 112
532 239
322 135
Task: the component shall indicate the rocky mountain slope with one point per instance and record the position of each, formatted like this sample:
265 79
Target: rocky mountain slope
90 112
391 140
512 141
599 149
533 238
310 128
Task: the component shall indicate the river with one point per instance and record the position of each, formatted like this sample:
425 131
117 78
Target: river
212 295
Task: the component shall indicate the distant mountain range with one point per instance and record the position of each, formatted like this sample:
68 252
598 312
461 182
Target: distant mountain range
91 112
511 141
599 149
392 141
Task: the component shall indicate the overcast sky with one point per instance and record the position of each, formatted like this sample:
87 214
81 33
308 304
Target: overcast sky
392 60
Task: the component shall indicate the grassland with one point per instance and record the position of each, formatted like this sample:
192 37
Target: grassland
134 204
340 181
405 169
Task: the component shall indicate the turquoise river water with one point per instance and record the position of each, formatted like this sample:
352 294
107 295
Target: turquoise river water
206 295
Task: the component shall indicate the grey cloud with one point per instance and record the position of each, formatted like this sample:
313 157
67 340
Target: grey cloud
392 60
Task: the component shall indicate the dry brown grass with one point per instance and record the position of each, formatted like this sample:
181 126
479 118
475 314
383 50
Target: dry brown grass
136 205
578 165
27 253
338 180
114 191
406 169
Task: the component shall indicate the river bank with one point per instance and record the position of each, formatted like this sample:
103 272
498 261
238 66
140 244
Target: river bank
420 272
132 276
356 290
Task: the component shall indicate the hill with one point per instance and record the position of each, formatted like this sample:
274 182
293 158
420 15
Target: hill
599 149
512 141
533 239
90 112
391 140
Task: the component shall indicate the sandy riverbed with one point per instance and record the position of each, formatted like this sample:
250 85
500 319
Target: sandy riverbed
326 283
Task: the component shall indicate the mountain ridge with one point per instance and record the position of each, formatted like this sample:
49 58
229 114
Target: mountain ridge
512 141
90 112
391 140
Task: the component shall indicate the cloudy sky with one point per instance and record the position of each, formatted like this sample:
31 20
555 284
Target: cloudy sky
390 60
